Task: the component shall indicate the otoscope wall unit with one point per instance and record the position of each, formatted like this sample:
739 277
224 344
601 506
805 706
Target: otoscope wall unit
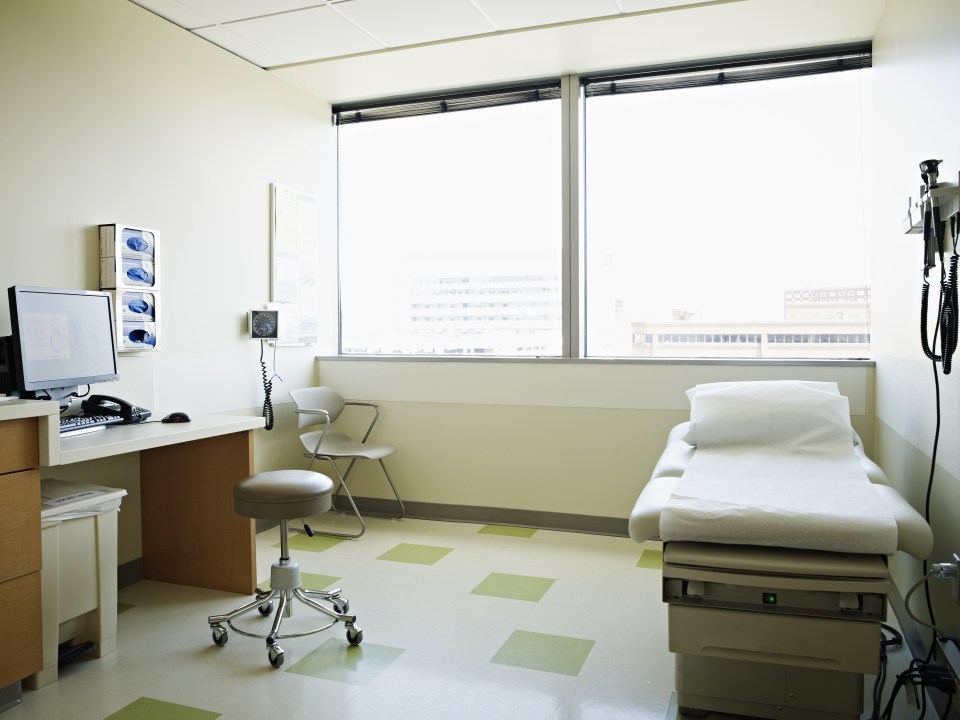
129 266
940 199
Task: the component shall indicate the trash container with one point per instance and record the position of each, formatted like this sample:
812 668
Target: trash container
78 581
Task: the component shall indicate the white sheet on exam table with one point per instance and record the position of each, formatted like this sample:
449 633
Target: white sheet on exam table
913 533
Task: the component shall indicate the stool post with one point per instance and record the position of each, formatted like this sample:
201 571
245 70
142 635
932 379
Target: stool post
284 543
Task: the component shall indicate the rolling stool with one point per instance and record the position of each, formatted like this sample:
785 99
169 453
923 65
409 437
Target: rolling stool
285 495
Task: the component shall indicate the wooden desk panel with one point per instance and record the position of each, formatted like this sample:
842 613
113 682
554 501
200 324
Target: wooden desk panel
21 628
191 534
20 558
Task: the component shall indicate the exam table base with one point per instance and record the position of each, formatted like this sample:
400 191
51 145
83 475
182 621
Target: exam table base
763 690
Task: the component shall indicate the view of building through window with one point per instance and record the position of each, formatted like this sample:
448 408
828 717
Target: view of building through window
724 221
450 233
729 221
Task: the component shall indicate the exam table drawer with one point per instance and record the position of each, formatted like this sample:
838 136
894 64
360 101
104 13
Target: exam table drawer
814 642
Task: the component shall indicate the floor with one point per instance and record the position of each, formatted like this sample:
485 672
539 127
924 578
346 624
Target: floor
459 620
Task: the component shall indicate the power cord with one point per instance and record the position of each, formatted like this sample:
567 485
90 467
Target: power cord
917 678
896 639
268 385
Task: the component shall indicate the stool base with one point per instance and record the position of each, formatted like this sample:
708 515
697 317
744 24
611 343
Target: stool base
285 587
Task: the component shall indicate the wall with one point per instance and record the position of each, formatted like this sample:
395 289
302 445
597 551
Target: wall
916 52
111 114
577 438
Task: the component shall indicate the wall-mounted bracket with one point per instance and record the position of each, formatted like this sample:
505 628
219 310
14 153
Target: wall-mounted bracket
947 196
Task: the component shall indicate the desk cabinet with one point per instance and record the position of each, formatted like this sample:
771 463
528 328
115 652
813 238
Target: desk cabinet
20 619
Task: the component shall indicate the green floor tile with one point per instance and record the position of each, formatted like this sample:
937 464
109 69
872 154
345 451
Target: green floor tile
419 554
309 581
508 530
149 709
652 559
337 660
549 653
317 543
514 587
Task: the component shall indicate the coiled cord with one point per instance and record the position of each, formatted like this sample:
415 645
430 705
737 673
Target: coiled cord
948 312
268 387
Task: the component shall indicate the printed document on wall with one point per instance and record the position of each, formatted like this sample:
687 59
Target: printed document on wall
295 259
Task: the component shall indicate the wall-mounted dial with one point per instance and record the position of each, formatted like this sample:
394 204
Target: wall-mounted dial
264 324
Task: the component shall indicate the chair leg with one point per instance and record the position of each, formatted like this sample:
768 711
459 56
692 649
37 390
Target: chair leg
393 487
342 485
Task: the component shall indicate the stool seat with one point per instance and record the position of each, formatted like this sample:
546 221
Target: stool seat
283 495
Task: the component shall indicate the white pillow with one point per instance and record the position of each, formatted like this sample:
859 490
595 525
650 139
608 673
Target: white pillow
792 414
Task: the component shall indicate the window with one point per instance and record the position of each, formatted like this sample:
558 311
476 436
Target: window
711 202
722 209
450 227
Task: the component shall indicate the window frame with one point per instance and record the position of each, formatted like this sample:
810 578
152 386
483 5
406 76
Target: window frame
574 90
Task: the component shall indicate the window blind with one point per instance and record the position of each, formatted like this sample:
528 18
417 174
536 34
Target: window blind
347 114
721 72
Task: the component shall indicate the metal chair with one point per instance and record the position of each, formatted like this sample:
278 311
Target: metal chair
321 406
285 495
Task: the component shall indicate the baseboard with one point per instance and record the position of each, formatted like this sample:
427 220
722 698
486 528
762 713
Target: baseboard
132 572
129 573
566 522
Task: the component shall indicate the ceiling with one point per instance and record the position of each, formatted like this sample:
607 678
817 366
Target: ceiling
351 49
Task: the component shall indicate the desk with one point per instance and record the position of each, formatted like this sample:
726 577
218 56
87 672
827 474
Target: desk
20 545
190 533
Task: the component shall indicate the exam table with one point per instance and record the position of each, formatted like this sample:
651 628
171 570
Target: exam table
775 528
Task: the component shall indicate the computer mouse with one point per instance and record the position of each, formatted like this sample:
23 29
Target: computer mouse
176 417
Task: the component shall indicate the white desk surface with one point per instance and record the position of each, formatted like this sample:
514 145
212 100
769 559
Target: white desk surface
120 439
12 408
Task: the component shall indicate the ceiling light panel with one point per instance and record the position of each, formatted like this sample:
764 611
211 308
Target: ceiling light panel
511 14
416 21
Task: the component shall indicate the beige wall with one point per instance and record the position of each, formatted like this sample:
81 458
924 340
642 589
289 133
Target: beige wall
111 114
916 51
566 437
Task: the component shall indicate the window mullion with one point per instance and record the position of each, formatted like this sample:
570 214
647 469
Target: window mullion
572 226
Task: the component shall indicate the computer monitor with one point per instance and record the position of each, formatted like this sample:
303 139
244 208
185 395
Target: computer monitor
61 339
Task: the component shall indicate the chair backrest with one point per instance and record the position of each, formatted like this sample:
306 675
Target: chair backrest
317 398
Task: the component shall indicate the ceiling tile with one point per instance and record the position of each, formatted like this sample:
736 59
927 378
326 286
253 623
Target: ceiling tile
219 35
416 21
200 13
304 35
511 14
174 11
630 6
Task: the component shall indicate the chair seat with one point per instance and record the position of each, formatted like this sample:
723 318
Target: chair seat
336 444
283 495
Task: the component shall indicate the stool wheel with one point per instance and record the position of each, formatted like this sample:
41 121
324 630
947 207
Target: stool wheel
266 609
354 635
275 655
220 635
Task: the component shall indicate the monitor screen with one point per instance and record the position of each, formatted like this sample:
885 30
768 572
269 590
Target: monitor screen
61 339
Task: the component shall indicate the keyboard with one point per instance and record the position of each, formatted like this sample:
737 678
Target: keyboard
87 423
